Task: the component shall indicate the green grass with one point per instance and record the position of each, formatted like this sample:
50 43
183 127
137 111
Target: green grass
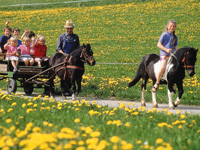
54 124
119 32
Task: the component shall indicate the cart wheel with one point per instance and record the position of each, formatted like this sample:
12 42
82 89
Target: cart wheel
28 88
11 86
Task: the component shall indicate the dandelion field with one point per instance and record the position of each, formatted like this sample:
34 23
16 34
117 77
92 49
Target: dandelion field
48 124
121 32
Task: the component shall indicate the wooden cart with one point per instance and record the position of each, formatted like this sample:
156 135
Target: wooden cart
28 77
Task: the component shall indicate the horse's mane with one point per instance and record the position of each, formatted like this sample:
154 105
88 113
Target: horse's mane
76 52
181 51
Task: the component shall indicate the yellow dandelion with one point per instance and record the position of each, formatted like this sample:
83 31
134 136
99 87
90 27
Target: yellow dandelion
159 140
8 120
114 139
77 120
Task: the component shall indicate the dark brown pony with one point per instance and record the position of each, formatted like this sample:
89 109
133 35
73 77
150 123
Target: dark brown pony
71 68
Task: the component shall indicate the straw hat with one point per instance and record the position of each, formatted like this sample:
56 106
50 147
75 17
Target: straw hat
69 24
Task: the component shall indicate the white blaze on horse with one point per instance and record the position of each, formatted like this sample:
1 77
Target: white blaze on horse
183 59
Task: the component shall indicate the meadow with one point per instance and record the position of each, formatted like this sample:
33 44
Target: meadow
119 32
28 124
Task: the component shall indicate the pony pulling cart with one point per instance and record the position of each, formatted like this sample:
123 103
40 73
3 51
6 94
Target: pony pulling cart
70 68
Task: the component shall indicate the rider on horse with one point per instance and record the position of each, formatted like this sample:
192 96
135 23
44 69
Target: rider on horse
167 44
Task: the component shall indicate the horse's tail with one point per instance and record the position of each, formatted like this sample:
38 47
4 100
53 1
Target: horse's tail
138 75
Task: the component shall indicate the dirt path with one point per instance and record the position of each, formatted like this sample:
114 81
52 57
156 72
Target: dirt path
116 103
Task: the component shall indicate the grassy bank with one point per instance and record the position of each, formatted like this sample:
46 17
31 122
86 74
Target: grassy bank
46 124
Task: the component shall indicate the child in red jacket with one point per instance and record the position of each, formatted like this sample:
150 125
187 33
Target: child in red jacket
40 50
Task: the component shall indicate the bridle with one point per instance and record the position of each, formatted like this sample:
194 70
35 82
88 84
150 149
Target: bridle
184 61
85 56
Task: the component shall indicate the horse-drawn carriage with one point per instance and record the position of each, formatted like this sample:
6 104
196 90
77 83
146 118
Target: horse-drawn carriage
70 67
28 77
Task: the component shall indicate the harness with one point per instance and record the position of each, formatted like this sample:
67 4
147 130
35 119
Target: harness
67 61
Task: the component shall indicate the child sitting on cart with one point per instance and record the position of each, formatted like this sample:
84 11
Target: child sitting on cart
12 55
26 51
3 40
40 50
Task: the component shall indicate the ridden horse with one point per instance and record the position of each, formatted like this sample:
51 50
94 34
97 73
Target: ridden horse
71 68
183 59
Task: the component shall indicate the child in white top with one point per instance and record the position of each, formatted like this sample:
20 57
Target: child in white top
11 47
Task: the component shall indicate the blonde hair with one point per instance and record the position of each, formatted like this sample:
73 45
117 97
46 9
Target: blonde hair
166 29
26 38
42 38
13 38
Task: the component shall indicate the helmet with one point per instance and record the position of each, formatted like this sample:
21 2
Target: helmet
69 24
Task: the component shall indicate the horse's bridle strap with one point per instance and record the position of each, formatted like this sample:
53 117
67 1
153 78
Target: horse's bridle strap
74 67
185 65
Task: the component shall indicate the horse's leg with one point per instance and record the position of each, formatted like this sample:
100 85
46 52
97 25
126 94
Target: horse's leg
65 87
78 81
170 94
51 84
180 93
154 102
143 88
73 88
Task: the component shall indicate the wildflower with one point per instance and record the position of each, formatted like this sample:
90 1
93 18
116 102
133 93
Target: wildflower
135 113
37 129
158 141
127 146
162 124
180 127
114 139
178 111
13 104
80 142
139 142
127 124
88 130
182 116
68 146
95 134
45 123
77 120
23 105
8 120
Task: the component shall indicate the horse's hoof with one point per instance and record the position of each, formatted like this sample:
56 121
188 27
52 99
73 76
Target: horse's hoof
171 106
143 104
175 104
155 105
52 97
73 97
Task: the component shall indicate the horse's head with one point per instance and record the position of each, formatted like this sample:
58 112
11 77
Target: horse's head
189 59
87 54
